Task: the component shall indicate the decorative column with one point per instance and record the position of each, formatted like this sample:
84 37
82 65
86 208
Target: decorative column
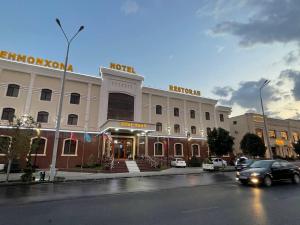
87 108
29 94
150 108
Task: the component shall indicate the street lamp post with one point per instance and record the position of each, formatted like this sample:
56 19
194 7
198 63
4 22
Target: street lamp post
263 112
188 138
59 111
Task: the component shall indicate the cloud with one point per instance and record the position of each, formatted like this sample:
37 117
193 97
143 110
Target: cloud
291 57
223 91
294 76
247 95
130 7
220 49
274 21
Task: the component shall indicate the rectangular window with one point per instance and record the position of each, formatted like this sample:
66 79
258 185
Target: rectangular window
176 112
221 117
284 135
207 116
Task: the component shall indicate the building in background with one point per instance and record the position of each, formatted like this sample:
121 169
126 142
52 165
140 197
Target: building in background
122 118
282 133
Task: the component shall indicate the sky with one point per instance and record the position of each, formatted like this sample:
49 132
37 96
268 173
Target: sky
224 48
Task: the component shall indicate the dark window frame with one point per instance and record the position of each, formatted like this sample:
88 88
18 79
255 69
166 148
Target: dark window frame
159 127
120 106
193 130
72 119
46 94
176 112
158 110
207 115
221 117
13 90
155 148
176 128
6 114
75 98
68 145
42 117
192 114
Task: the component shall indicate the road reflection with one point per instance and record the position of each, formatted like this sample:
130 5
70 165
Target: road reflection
258 206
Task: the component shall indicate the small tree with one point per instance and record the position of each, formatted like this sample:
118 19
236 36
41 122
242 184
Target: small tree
296 146
19 145
253 145
220 142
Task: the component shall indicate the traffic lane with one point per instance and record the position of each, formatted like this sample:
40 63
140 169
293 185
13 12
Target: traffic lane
226 204
46 192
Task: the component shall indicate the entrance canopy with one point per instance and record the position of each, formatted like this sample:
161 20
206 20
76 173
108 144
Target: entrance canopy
127 127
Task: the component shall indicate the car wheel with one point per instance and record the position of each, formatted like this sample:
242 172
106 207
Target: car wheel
268 181
296 179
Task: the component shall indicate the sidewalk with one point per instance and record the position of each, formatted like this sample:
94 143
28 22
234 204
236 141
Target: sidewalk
82 176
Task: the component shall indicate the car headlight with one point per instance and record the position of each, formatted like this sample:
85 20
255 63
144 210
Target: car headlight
237 173
254 174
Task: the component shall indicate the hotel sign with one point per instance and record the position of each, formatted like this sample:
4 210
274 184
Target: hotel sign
279 142
34 61
133 125
184 90
128 69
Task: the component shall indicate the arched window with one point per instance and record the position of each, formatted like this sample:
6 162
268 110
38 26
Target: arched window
193 130
46 95
8 114
72 119
42 117
176 112
75 98
120 107
38 146
192 114
158 109
5 142
178 149
177 128
195 150
13 90
207 116
70 147
208 130
158 149
159 127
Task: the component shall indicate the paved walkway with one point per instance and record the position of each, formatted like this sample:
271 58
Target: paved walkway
80 176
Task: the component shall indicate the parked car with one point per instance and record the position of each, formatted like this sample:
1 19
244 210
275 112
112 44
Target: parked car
242 164
178 162
267 171
218 162
240 159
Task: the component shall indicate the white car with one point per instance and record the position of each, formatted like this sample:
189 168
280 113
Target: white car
218 162
178 162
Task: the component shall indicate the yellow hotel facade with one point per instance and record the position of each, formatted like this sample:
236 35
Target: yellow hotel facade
123 118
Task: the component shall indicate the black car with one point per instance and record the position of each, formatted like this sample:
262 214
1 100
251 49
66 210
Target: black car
243 163
266 171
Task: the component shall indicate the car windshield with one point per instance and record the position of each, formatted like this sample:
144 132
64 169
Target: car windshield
261 164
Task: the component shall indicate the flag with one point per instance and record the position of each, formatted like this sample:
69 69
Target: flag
73 137
87 138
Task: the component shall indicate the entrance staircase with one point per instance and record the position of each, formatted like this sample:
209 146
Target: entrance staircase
119 166
132 166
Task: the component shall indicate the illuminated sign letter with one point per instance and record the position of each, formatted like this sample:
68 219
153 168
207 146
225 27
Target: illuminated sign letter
39 62
21 58
30 60
3 54
70 68
55 65
47 63
12 56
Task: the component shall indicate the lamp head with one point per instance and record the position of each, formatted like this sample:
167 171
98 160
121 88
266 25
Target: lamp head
58 22
80 28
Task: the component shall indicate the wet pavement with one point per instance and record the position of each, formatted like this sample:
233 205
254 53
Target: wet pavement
46 192
208 198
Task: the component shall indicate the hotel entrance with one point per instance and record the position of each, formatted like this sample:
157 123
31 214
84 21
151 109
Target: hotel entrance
122 148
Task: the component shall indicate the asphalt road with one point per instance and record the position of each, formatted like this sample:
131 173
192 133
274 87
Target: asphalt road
177 200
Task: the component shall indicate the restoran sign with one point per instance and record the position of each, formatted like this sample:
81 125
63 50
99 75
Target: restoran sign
35 61
184 90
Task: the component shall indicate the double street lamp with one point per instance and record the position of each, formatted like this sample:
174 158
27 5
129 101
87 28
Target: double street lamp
59 111
266 82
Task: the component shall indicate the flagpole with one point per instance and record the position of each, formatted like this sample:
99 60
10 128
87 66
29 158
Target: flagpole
82 151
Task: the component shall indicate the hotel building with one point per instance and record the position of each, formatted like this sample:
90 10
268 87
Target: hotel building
123 118
282 133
